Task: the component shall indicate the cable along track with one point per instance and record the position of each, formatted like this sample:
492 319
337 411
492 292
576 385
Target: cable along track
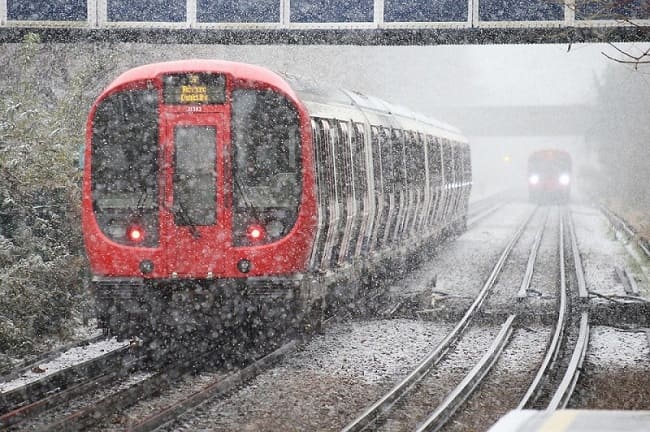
378 411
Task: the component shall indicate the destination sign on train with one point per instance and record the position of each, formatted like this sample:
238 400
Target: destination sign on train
194 89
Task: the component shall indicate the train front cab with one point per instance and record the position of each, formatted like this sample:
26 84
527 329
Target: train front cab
549 177
186 203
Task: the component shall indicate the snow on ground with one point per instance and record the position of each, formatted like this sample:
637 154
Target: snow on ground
373 351
68 358
614 348
461 266
601 252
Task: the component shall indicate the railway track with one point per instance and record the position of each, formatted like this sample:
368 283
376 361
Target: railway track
378 411
550 384
554 381
26 402
92 401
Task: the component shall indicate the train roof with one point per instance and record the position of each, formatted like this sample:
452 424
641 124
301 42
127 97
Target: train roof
310 91
300 88
243 71
550 154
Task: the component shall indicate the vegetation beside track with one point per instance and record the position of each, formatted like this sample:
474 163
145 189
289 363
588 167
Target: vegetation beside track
43 107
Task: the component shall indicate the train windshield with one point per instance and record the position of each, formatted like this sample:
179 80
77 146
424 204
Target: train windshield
124 161
549 163
194 175
266 162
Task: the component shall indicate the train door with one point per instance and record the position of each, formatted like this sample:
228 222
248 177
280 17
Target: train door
193 225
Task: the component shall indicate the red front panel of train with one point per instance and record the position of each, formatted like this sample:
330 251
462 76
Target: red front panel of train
192 179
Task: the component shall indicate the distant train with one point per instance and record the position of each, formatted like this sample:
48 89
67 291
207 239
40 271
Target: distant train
549 176
215 191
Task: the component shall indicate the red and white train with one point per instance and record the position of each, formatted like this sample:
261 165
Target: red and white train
213 190
549 176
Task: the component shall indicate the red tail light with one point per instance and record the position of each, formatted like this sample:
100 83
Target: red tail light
255 232
135 233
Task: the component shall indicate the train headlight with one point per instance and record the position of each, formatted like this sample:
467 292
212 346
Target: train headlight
533 179
564 179
255 232
135 233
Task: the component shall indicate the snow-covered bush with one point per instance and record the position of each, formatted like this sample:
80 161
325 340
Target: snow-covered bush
43 106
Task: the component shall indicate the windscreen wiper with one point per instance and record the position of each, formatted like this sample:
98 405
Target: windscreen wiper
185 219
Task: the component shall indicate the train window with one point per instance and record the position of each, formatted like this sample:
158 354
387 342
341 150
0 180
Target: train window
344 160
320 153
414 151
447 161
467 163
334 158
328 159
359 154
387 161
124 161
376 137
195 175
266 162
458 163
258 11
435 161
49 10
399 165
324 11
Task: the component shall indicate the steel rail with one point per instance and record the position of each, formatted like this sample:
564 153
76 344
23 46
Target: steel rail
579 271
620 224
528 276
19 369
568 383
553 349
62 379
371 414
157 383
459 395
31 410
629 283
216 388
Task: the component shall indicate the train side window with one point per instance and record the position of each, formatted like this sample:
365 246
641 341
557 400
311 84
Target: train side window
387 161
376 158
359 154
319 155
419 159
435 161
458 163
399 166
409 157
447 163
344 159
328 157
467 164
